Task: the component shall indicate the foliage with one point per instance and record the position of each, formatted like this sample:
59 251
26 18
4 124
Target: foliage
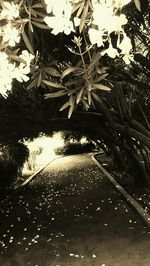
12 158
88 62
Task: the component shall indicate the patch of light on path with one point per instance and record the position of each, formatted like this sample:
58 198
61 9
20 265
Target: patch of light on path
42 151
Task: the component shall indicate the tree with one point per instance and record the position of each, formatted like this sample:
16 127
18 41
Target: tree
93 64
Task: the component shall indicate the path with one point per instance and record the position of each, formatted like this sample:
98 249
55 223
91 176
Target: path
71 215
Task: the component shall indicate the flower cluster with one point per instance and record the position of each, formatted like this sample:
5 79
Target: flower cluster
105 20
9 70
60 16
9 34
9 37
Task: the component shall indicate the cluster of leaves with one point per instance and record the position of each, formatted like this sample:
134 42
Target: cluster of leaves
80 82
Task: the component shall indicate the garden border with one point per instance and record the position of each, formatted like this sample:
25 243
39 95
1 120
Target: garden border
37 172
144 215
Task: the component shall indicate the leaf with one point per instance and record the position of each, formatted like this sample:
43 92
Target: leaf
85 104
55 94
27 42
96 97
40 25
73 82
79 95
52 71
39 80
71 109
83 17
95 59
38 5
68 71
52 84
138 4
89 98
80 9
76 7
32 84
101 77
101 87
64 106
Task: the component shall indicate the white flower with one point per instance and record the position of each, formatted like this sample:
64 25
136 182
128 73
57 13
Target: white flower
3 59
128 58
6 70
21 72
103 16
27 57
119 21
10 10
112 52
59 24
125 45
95 37
10 35
76 21
6 85
58 8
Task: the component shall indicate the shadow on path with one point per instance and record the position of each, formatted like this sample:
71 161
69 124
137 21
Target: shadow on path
70 214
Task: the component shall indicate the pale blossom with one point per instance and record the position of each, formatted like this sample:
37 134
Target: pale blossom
10 10
127 58
112 52
76 21
103 16
6 70
58 7
125 45
95 37
10 35
59 24
21 72
27 57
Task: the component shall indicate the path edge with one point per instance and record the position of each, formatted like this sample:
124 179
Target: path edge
37 172
144 215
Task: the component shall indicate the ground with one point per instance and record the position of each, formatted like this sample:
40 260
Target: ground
70 214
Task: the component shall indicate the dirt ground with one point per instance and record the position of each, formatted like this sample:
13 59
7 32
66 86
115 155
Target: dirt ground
71 215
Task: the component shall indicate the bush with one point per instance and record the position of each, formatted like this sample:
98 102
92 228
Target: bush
75 148
12 158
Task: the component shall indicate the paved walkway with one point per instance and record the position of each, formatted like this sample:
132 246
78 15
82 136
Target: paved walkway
71 215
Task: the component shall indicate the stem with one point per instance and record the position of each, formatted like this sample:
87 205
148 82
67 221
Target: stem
82 58
87 46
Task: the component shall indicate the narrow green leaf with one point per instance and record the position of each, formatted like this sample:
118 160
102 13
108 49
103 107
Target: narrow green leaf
85 104
39 80
95 59
80 9
32 84
101 77
40 25
64 106
101 87
54 94
38 5
96 97
52 84
52 71
71 109
27 42
68 71
83 17
79 95
74 82
138 4
89 98
76 7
